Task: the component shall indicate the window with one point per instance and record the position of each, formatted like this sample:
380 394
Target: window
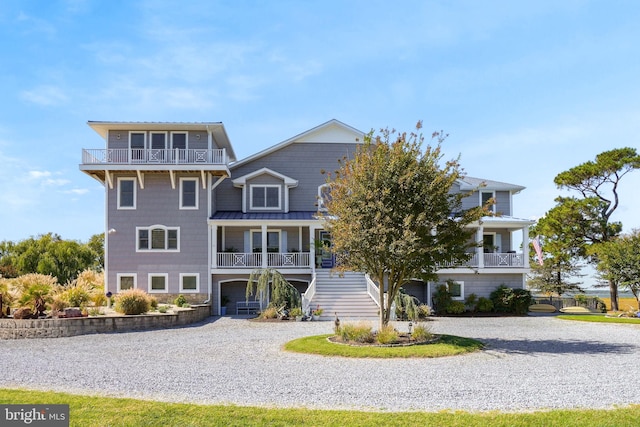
273 241
126 281
126 193
324 195
158 282
265 197
189 282
484 198
158 238
188 193
137 142
179 140
456 289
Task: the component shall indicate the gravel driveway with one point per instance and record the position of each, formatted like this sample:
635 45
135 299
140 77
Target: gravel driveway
530 363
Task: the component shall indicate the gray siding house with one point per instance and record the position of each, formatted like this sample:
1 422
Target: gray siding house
183 216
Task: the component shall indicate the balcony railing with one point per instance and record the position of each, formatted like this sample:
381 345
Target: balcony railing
124 156
491 260
254 260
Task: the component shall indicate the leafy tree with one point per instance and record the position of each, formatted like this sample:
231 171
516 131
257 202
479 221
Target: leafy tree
588 219
270 284
619 262
561 261
391 212
49 254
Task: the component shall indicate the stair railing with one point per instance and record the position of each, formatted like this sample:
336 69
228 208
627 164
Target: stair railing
309 294
373 290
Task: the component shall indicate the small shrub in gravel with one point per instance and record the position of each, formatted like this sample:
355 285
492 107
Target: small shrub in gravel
132 301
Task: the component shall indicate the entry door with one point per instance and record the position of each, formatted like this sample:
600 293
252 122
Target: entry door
328 259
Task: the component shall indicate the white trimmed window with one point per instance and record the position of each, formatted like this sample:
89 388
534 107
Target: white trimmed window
158 283
456 289
126 281
273 241
484 198
126 193
265 196
324 194
188 193
190 282
137 144
158 238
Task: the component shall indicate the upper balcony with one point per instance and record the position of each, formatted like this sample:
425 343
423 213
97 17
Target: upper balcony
99 161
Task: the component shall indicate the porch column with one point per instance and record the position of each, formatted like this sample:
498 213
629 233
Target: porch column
525 245
214 246
480 248
263 235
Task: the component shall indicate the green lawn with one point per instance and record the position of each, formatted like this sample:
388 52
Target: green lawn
103 411
448 345
599 318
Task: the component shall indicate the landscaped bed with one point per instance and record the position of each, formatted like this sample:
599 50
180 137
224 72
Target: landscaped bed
444 345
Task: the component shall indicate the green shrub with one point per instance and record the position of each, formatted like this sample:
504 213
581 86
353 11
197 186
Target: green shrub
456 307
521 301
153 302
387 335
471 302
507 300
441 299
421 332
424 311
132 301
357 332
180 301
162 309
76 296
501 298
295 312
485 305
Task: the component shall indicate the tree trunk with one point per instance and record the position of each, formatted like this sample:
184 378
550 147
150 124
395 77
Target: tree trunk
613 291
384 319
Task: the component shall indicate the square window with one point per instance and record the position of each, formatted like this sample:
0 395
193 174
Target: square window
158 283
189 282
265 197
126 282
456 289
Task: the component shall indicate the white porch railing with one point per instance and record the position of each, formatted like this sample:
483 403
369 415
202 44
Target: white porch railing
153 156
254 260
491 260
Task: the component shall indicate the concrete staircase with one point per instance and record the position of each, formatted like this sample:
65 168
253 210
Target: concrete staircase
346 295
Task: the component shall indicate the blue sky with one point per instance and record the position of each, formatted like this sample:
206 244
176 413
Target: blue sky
526 89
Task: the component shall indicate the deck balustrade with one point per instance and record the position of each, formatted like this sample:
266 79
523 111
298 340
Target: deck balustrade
118 156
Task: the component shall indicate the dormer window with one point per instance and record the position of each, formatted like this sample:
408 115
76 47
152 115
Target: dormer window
265 196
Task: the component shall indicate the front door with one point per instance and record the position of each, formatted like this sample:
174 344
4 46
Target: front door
328 259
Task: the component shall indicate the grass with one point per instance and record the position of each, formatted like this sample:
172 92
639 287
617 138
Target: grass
106 411
448 345
599 318
623 303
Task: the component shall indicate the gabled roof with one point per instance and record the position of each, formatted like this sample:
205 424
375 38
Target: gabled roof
241 181
333 131
469 183
216 128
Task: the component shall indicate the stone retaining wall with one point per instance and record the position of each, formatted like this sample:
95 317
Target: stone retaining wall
54 328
